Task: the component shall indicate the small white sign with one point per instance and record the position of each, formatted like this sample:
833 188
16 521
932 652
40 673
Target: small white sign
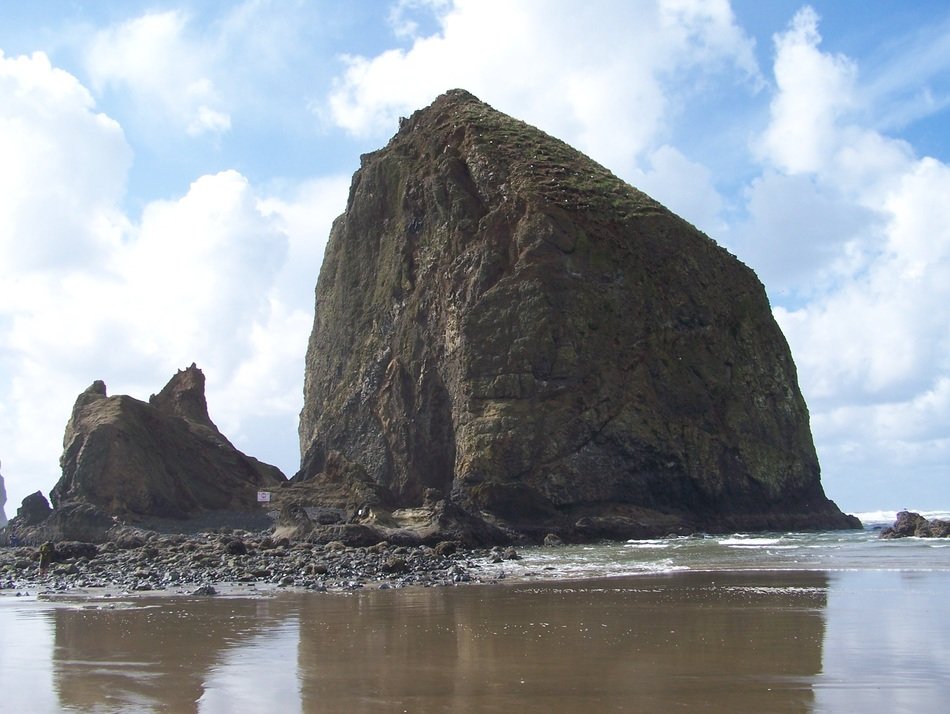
263 496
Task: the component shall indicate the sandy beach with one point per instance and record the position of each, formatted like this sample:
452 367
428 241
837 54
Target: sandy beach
724 641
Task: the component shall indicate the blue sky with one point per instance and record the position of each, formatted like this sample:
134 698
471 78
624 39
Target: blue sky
169 172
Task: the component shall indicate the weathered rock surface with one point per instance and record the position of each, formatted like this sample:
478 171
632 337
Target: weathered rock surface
501 319
909 524
39 523
165 458
33 509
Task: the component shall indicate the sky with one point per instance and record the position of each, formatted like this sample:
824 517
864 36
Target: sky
169 172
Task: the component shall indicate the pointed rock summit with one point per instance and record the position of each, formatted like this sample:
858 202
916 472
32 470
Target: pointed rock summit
162 459
501 321
184 396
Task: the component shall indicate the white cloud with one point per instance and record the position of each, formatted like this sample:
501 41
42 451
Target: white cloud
604 93
63 169
686 188
814 90
871 224
221 275
802 238
153 58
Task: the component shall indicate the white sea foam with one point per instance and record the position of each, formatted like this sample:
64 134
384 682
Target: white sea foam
749 541
646 544
887 518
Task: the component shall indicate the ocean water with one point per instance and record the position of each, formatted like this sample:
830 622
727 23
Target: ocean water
782 622
832 551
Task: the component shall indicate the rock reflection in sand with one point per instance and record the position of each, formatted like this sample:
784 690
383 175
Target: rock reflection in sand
721 641
741 641
161 654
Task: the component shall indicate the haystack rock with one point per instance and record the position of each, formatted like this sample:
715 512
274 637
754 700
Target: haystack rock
501 319
165 458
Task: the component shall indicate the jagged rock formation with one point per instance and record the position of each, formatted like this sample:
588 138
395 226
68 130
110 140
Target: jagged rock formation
3 502
913 525
37 523
33 509
165 458
501 319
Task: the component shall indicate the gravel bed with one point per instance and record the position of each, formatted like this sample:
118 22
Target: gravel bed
225 560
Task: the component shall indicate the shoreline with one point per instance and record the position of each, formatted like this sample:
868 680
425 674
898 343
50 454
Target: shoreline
235 563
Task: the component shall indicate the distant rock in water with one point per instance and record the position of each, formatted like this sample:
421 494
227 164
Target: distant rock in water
164 459
501 319
910 524
3 502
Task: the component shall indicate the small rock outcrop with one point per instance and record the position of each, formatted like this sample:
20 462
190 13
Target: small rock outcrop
500 319
38 523
33 509
164 458
913 525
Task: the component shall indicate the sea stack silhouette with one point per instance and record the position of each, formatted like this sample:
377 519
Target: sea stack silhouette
504 325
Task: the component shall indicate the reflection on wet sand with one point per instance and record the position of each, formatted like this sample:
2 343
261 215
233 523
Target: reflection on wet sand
716 642
740 643
150 655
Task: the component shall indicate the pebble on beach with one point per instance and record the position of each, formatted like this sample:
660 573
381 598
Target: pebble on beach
201 564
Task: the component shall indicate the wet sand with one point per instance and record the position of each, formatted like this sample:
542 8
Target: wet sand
725 641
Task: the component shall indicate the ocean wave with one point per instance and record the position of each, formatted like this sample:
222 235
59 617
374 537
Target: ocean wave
646 544
887 517
749 541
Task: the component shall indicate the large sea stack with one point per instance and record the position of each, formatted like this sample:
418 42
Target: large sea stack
503 322
164 458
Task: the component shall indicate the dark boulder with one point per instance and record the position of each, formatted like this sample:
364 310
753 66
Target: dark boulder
236 547
293 522
909 524
37 523
71 549
33 510
501 320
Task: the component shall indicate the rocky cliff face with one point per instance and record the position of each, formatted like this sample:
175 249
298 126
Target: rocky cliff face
165 458
501 319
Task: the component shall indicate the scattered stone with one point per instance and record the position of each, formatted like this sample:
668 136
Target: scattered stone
194 563
395 565
293 521
446 547
553 539
236 547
